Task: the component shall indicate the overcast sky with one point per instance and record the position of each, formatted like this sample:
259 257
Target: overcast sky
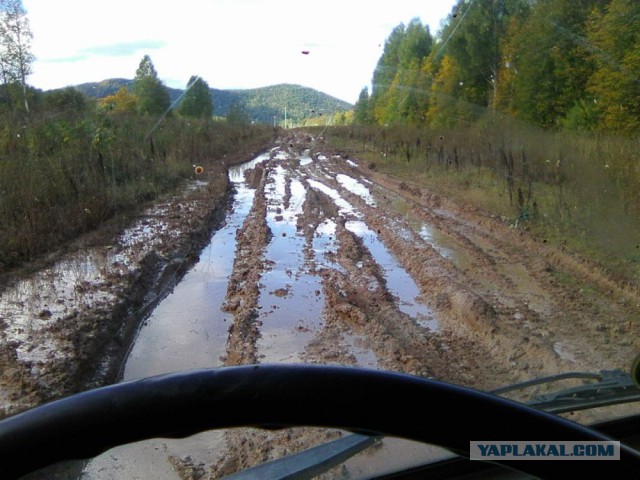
229 43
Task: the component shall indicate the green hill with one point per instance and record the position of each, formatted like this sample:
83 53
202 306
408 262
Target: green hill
262 105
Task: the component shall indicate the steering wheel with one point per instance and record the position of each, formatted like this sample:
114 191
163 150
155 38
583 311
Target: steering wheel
278 396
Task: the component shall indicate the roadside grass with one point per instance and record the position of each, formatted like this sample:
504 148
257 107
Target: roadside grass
577 192
65 174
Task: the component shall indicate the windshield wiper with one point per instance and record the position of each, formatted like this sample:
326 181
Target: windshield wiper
308 463
611 387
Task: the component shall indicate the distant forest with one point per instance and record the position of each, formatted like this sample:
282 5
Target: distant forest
572 64
261 105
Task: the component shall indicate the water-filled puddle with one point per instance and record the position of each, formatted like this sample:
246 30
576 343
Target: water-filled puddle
438 241
399 282
305 160
365 357
354 186
186 330
55 294
525 286
325 247
236 172
344 207
288 284
442 243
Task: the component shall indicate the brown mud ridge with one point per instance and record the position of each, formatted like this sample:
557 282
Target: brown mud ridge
491 306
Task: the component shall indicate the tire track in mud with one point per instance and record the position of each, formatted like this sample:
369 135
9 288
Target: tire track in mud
243 286
359 298
468 323
499 310
247 294
362 322
568 304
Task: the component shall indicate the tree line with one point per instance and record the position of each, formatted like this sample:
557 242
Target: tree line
571 64
150 96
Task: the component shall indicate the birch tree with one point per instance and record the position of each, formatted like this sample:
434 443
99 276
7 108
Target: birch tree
16 58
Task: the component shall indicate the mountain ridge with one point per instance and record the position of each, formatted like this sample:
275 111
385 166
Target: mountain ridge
262 104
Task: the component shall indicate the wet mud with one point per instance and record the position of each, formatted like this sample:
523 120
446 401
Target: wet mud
333 263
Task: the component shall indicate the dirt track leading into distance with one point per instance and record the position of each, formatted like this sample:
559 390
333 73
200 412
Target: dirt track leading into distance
335 263
493 306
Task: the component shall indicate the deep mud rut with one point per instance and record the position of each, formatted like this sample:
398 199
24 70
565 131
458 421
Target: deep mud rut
337 264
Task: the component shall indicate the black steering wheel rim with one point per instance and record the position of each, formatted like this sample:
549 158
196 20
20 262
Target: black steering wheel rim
274 396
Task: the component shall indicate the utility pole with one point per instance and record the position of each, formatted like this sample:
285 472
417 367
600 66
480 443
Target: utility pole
285 117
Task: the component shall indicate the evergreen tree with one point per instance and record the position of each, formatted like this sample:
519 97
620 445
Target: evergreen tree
385 72
152 95
568 63
362 115
197 101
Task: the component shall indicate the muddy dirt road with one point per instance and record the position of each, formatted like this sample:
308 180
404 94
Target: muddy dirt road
393 277
323 260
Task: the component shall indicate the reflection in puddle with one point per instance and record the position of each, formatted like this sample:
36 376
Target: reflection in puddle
442 243
305 160
437 240
287 327
186 330
355 187
524 285
399 282
325 247
78 282
236 172
521 281
282 155
34 306
365 357
345 208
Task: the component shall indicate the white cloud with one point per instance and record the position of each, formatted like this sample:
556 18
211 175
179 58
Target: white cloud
230 43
